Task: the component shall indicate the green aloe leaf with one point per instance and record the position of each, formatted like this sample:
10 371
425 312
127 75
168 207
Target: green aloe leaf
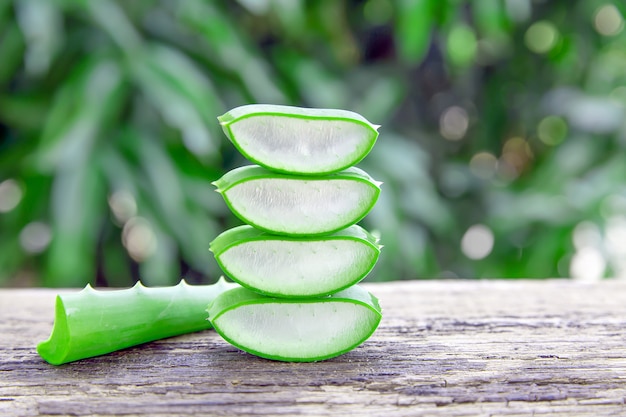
413 28
299 140
12 50
295 330
91 323
298 205
182 94
284 266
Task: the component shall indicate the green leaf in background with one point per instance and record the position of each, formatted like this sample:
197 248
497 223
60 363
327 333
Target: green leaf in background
81 110
490 17
502 120
230 49
11 50
461 45
183 97
77 211
415 19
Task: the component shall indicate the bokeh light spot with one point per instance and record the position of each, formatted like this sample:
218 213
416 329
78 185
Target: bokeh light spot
588 264
517 145
586 234
477 242
516 156
608 21
10 195
123 205
483 165
616 235
35 237
453 123
462 45
552 130
508 167
139 238
541 37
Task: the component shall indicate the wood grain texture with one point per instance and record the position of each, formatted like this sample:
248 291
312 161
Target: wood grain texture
444 348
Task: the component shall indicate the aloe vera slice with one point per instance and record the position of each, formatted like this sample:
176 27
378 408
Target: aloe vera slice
287 266
91 322
299 140
298 205
295 330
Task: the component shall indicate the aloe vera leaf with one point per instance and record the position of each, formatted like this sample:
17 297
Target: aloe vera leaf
295 330
298 205
299 140
287 266
91 322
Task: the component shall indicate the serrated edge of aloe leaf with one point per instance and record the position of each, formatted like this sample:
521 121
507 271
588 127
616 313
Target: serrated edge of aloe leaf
91 322
245 233
354 295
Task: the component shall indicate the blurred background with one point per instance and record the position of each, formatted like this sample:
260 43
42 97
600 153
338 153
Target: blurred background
502 150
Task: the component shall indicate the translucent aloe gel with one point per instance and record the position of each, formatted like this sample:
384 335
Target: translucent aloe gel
296 266
296 140
295 204
301 253
295 330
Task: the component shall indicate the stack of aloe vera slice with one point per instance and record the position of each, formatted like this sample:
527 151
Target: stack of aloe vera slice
301 254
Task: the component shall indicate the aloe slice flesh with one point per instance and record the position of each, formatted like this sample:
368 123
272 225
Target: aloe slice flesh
298 205
92 323
299 140
284 266
295 330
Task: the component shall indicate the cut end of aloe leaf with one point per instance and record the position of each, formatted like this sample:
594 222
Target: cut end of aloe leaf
55 349
297 205
299 140
285 266
295 330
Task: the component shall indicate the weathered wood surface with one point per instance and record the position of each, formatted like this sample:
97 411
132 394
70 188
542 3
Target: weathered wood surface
448 348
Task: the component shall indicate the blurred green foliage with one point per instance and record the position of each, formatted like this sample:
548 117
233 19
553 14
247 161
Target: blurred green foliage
502 147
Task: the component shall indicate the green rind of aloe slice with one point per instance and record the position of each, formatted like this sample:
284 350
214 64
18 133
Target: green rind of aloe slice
284 266
298 205
295 330
299 140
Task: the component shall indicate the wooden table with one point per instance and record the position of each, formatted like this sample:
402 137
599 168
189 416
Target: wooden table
444 348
